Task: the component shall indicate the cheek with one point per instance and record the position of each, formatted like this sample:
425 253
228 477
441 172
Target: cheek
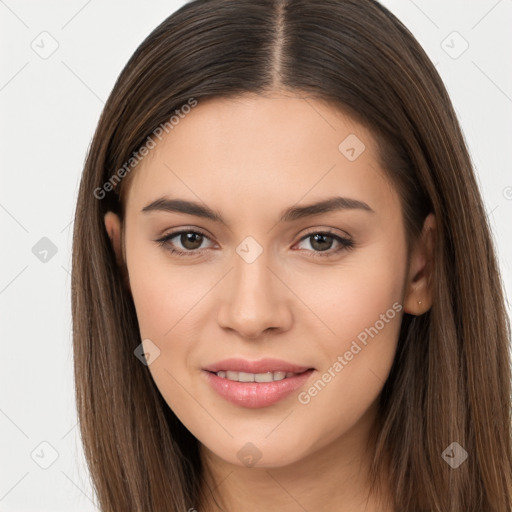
353 374
166 299
353 295
361 312
162 292
172 303
151 291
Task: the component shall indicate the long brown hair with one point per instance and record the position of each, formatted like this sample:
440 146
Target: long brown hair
451 377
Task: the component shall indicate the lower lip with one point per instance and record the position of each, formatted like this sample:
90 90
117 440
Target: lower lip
256 394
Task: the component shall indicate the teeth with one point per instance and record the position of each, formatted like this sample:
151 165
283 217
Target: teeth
254 377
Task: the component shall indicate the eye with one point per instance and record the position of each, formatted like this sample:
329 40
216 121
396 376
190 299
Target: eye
322 241
190 241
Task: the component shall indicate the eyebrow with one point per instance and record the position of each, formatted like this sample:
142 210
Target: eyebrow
293 213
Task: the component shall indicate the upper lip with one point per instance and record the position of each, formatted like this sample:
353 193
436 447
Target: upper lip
261 366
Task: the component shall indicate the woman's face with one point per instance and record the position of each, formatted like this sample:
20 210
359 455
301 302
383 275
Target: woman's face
318 290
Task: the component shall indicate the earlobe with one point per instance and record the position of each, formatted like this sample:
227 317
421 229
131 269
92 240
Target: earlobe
113 228
419 287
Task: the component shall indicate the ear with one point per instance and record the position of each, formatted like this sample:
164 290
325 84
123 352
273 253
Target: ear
114 230
419 285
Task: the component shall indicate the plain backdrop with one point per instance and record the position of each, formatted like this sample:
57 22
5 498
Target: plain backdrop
59 62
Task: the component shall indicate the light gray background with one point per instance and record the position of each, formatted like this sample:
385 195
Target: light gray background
49 108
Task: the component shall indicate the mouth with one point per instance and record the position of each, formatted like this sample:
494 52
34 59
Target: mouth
262 367
256 384
256 377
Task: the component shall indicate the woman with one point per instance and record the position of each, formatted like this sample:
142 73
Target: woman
285 294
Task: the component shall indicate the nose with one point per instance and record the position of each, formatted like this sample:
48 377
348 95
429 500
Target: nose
254 300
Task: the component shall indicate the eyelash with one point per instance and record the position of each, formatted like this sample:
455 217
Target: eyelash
346 243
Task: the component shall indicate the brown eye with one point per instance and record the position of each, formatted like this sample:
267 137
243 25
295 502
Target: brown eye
183 243
321 243
191 240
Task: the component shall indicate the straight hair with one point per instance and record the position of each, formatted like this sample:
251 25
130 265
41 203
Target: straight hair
451 378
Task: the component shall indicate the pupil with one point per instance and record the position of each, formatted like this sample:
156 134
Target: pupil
191 238
321 238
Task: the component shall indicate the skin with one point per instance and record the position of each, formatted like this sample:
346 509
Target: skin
249 159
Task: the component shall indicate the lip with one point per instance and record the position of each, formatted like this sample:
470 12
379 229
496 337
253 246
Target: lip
256 394
261 366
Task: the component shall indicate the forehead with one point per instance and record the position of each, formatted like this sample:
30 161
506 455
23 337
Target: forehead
262 151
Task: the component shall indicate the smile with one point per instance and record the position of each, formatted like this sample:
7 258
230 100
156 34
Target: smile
255 390
255 377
